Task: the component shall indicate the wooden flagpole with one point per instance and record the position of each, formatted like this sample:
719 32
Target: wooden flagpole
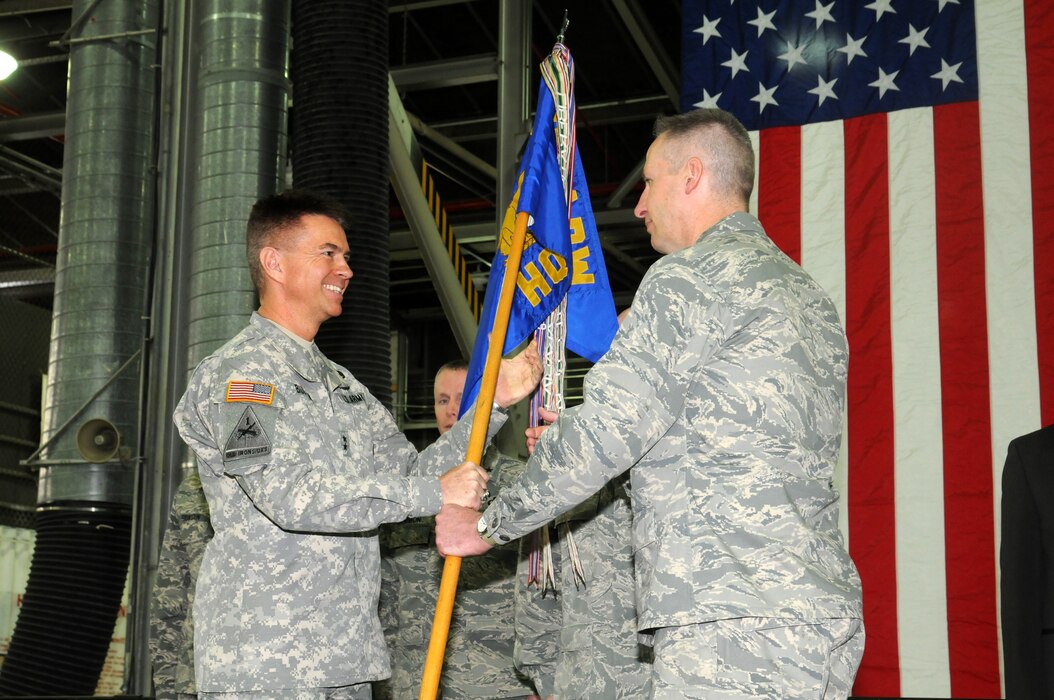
478 438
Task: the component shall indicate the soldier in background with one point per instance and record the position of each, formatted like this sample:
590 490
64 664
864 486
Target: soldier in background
479 653
722 395
171 624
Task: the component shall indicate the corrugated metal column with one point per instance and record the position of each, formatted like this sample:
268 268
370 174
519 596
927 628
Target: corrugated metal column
242 92
85 490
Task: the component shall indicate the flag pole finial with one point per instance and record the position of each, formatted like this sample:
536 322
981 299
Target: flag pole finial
563 28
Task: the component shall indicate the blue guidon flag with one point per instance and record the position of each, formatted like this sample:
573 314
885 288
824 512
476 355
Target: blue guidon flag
561 256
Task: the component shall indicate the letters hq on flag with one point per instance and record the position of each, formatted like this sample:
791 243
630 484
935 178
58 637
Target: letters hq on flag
902 162
562 256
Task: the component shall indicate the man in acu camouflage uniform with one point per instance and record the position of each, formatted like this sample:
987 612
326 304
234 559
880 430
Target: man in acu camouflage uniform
478 662
722 394
300 464
171 624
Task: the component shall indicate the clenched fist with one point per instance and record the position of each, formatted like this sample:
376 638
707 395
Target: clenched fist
464 485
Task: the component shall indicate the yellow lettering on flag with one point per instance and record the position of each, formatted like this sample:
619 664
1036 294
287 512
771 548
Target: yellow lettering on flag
580 256
581 274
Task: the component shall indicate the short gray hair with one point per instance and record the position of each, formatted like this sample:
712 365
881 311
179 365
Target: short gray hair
724 140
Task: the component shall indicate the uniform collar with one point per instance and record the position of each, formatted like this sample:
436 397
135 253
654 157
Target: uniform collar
308 362
737 221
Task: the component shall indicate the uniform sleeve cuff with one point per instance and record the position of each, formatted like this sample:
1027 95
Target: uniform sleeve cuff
429 496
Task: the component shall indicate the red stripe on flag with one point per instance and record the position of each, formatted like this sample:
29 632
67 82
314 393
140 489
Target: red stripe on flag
969 527
779 188
872 509
1039 47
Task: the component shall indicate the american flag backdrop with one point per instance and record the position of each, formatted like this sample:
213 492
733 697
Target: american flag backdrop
905 160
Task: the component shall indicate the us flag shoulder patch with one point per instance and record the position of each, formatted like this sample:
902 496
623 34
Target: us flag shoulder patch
250 392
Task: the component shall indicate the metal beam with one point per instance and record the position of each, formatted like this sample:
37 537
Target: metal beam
23 166
34 126
513 127
636 109
16 8
449 145
407 185
446 73
648 43
620 192
422 5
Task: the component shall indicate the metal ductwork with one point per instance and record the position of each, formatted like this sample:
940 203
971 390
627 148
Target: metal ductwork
340 147
90 434
242 94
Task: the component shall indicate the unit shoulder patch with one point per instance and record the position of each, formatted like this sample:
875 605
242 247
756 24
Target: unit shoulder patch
248 439
250 392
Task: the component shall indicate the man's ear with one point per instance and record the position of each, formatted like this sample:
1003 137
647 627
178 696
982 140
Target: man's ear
271 262
693 174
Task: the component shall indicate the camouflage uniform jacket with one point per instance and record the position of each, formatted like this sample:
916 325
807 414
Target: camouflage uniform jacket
300 464
580 642
171 625
723 390
478 661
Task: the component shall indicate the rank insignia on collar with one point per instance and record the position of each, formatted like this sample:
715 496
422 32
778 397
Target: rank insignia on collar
248 439
250 392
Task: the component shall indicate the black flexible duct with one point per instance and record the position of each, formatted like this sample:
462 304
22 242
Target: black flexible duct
77 577
340 147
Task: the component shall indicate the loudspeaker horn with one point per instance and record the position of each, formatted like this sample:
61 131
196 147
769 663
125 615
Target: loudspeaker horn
98 440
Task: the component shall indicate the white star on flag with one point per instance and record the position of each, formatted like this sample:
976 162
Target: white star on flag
709 29
915 38
947 74
881 7
709 101
885 82
853 48
821 14
824 89
764 97
764 21
737 63
793 55
942 3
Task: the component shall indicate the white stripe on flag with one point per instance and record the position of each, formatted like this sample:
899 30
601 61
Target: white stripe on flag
755 141
823 247
922 620
1013 361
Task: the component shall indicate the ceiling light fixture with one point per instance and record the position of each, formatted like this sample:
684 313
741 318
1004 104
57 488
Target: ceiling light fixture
7 64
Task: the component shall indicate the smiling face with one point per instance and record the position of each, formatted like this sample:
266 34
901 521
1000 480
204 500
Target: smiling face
448 386
312 273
